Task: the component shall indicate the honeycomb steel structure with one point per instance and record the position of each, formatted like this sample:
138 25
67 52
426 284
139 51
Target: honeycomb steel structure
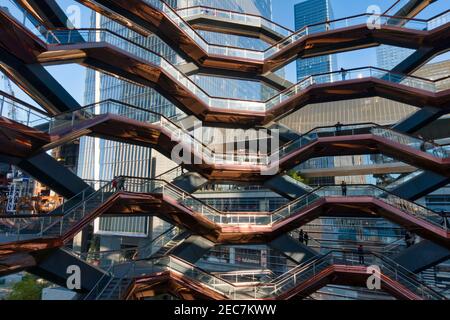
34 34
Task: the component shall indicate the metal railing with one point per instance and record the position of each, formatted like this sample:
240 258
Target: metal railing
73 36
198 206
119 262
57 225
135 253
387 268
67 122
326 245
405 280
213 49
101 284
362 19
247 276
236 17
50 226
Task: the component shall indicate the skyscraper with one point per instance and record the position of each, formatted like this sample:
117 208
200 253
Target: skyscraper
258 7
389 56
306 13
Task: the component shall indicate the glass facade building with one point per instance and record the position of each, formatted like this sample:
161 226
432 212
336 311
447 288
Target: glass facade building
390 56
104 159
306 13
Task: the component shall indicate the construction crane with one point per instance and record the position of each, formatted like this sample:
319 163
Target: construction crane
10 105
8 108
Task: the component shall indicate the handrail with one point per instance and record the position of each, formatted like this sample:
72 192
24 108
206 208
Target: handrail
161 186
314 261
55 117
340 72
230 214
338 20
136 250
345 244
283 40
76 206
249 100
158 185
97 285
60 218
26 104
61 208
158 238
277 45
115 101
113 264
260 159
342 127
201 93
238 278
119 283
397 265
260 289
298 31
398 268
169 172
236 99
234 12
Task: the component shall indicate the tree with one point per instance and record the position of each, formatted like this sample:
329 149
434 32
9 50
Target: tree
27 289
297 176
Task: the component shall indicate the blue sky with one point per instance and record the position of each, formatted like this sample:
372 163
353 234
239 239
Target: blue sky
72 77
